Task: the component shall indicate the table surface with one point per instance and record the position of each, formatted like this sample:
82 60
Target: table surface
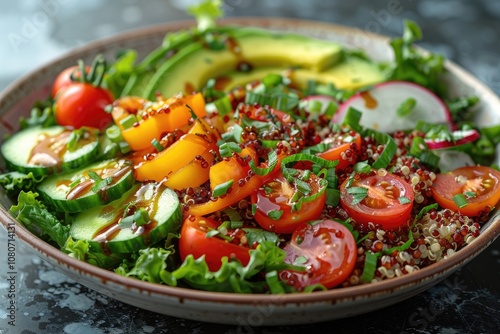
33 32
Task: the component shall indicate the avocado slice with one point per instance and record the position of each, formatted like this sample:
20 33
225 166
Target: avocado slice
349 74
193 65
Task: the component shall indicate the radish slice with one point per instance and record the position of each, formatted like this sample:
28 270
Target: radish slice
379 106
460 138
319 104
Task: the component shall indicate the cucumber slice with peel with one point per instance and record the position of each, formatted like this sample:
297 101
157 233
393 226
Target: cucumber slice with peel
105 229
44 151
78 191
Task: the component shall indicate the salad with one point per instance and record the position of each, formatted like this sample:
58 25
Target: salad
237 159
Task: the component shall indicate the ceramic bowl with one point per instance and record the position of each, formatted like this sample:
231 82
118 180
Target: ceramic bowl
243 310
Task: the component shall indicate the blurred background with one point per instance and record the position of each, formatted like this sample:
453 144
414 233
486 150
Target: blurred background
33 32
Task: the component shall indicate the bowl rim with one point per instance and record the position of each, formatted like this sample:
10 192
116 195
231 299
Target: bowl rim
331 296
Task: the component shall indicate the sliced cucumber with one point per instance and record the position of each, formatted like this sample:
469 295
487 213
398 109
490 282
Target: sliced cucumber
104 226
75 192
43 151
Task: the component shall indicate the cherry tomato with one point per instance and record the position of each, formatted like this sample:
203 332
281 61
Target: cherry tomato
82 104
275 208
64 79
479 185
194 240
326 249
343 147
384 200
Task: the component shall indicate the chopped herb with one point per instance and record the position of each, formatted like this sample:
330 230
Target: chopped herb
406 107
258 236
362 167
157 145
275 214
222 188
358 193
300 260
460 200
74 138
470 194
404 200
99 183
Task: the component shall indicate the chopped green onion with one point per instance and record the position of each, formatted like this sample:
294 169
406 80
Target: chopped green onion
141 217
470 194
404 200
362 167
352 118
128 121
406 107
358 194
74 138
223 106
274 283
309 157
389 151
258 236
226 149
222 188
460 200
315 106
275 214
237 132
272 161
272 80
300 260
156 144
75 183
370 267
332 197
114 134
124 147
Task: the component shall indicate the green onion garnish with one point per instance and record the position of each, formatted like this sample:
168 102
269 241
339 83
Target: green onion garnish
406 107
460 200
128 121
222 188
156 144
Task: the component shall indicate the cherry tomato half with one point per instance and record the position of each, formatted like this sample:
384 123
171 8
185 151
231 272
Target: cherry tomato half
384 200
82 104
343 147
194 241
275 208
326 249
480 186
64 79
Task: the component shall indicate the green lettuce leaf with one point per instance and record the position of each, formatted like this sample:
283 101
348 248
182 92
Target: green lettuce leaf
80 250
14 182
151 265
40 221
410 64
206 13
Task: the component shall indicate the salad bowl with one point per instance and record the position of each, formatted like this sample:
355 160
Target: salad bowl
240 309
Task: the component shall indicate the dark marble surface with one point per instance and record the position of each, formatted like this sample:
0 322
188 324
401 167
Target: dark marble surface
32 32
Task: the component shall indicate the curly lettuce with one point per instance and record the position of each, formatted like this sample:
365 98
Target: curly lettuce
151 264
38 220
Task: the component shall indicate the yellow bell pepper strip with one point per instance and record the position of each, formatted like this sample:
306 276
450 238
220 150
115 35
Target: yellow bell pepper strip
194 174
232 169
236 193
165 163
158 118
127 105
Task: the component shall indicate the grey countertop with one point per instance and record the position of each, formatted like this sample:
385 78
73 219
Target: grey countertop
33 32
